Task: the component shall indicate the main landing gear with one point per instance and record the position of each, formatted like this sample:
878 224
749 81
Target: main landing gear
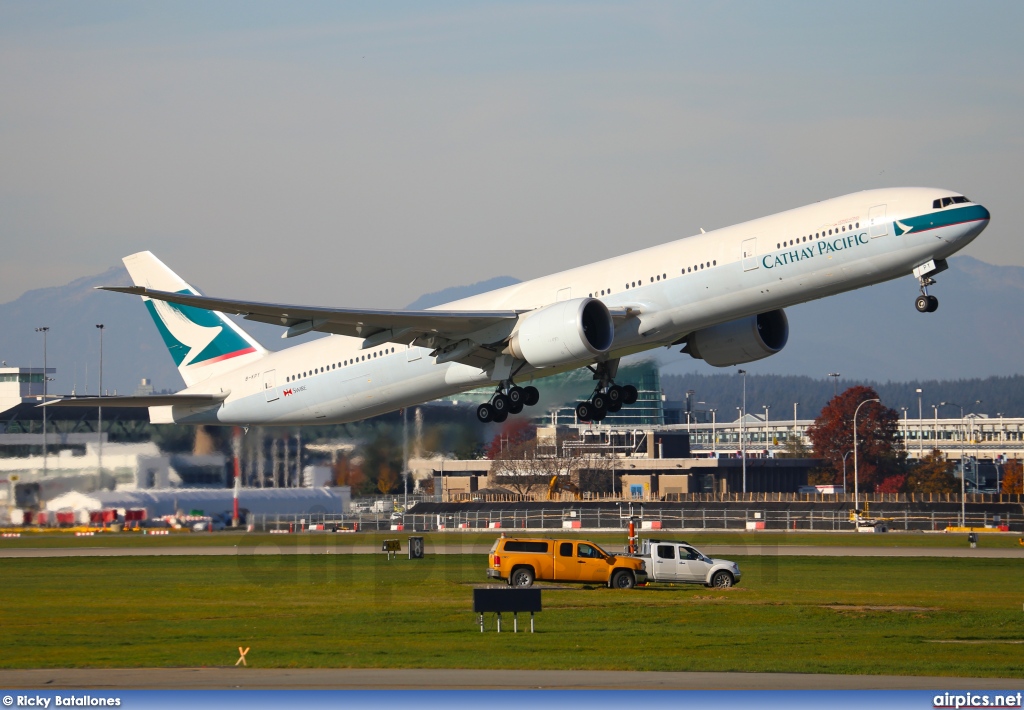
608 397
509 398
605 401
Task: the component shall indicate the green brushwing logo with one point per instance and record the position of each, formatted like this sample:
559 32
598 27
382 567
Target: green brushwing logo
195 336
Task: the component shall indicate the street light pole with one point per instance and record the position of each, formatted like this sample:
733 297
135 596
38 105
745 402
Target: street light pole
405 459
963 469
714 439
743 441
906 427
99 409
44 330
920 427
856 487
844 470
767 438
835 383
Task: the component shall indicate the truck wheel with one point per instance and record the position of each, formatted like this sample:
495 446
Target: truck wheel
623 580
521 577
721 580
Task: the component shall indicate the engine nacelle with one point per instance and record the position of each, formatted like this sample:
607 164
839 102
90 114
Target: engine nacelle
563 333
739 341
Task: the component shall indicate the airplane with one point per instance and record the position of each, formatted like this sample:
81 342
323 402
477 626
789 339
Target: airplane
720 295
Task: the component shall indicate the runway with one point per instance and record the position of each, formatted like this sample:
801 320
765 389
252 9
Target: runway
324 546
462 679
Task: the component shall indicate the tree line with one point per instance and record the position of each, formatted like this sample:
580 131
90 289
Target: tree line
724 392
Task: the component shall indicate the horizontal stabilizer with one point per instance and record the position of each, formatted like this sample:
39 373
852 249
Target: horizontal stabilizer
149 400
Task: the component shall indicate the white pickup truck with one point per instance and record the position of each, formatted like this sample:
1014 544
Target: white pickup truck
677 561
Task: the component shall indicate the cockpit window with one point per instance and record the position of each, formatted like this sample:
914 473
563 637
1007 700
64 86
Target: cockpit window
947 201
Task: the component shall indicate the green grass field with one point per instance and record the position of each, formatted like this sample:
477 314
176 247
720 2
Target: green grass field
909 616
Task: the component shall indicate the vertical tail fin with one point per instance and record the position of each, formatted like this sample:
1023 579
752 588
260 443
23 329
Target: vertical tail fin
203 343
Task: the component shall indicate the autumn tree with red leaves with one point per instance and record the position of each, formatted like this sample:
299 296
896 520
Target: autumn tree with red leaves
933 474
514 433
1013 477
881 460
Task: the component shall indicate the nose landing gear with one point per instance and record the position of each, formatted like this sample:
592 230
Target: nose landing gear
926 303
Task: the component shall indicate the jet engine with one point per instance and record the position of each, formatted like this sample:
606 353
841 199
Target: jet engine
563 333
739 341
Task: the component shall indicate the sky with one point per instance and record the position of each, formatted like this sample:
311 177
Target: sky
362 154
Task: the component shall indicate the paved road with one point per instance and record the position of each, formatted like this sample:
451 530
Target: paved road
439 678
324 546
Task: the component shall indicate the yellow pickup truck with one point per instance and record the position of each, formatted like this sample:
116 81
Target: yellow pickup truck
521 561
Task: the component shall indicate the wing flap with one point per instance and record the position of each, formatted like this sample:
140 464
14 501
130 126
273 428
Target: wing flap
149 400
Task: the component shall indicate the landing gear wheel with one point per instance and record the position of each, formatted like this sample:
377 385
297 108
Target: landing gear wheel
922 304
584 411
499 417
614 407
531 395
501 404
515 407
614 395
629 394
600 414
599 401
516 395
485 413
933 304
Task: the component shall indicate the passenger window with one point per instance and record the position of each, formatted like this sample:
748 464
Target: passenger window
688 553
666 552
565 549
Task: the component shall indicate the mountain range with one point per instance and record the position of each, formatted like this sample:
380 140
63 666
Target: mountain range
872 334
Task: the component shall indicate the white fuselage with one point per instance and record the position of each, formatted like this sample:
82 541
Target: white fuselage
787 258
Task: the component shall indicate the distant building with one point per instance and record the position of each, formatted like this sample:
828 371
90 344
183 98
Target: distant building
158 503
21 385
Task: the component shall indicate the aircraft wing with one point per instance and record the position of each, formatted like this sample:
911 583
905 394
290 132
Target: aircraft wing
148 400
474 338
404 326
